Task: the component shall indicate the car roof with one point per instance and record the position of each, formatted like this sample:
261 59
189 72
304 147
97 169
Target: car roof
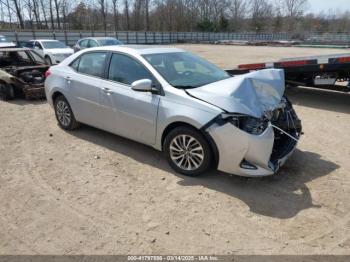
45 40
98 37
138 49
13 49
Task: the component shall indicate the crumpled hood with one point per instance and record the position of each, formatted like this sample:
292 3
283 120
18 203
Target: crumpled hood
250 94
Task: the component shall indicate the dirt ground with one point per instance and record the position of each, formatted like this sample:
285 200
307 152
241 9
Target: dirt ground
91 192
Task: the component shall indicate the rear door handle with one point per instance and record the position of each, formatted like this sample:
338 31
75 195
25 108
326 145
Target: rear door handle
68 79
107 90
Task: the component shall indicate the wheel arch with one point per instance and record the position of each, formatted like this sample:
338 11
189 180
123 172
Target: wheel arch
9 83
205 134
55 95
49 57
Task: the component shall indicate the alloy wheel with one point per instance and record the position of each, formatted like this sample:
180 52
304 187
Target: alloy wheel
63 113
186 152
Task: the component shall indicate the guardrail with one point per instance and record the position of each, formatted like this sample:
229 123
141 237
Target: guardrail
147 37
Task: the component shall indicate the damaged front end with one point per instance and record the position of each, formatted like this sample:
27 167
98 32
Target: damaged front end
287 130
264 129
250 146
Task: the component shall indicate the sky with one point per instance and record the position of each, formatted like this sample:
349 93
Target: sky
317 6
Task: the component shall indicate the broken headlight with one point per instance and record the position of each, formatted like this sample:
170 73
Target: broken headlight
249 124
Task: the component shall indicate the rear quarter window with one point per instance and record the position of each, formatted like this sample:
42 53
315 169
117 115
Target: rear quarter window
75 64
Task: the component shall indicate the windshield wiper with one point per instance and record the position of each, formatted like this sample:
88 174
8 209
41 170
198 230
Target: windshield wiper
185 87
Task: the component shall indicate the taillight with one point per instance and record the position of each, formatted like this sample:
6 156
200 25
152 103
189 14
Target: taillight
47 73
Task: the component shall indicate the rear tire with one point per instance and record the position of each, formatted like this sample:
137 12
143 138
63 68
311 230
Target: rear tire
7 92
187 151
64 114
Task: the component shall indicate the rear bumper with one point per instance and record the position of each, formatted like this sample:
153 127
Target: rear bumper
34 92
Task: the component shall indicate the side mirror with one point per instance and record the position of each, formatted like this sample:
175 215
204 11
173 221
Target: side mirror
143 85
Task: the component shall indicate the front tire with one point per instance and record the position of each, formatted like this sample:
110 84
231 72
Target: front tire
64 114
187 151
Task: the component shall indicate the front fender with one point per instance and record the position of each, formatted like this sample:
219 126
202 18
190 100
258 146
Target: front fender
5 77
170 112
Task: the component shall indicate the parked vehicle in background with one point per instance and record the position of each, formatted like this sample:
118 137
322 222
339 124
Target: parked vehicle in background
95 42
23 44
22 73
5 43
174 101
53 51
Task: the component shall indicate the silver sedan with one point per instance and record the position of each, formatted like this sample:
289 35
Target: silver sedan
179 103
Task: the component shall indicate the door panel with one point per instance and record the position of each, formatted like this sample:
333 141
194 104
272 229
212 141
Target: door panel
84 83
130 114
86 91
134 113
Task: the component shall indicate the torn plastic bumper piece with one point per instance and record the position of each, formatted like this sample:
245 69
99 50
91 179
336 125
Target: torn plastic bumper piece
249 155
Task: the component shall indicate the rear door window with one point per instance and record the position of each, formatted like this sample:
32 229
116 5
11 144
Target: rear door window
75 64
91 64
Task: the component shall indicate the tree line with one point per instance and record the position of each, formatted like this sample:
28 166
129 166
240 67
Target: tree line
170 15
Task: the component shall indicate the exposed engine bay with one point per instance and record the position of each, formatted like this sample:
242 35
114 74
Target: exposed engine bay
287 130
29 75
22 73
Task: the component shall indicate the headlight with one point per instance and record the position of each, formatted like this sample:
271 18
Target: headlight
251 125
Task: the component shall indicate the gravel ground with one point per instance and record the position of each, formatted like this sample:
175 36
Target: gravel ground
91 192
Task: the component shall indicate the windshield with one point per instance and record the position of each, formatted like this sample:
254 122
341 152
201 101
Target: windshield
53 44
109 41
37 57
185 70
